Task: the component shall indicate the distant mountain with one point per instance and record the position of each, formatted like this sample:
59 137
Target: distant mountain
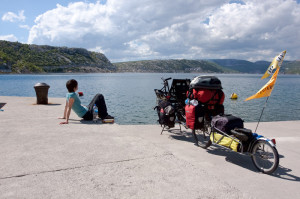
23 58
292 67
288 67
172 65
243 66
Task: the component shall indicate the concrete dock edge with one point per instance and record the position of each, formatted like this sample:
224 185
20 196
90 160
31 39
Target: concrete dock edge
41 159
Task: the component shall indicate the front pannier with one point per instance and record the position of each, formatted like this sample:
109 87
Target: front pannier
166 113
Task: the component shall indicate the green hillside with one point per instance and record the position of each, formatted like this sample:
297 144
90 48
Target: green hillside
243 66
23 58
292 67
171 65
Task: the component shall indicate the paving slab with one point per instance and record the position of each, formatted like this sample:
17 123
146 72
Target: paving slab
41 159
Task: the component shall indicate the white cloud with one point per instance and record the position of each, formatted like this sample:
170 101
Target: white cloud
265 26
151 29
24 27
143 50
8 37
12 17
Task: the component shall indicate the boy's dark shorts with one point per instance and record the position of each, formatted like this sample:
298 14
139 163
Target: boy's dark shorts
88 115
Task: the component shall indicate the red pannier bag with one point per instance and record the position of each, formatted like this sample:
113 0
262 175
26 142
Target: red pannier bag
190 114
210 96
214 99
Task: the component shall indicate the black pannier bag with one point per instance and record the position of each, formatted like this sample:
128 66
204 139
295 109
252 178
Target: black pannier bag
226 123
166 113
205 82
199 116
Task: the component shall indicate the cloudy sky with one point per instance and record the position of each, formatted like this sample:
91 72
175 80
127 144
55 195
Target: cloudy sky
126 30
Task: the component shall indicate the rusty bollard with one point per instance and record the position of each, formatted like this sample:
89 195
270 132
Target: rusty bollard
41 90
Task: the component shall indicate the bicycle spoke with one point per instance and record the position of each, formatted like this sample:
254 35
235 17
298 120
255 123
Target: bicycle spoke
265 157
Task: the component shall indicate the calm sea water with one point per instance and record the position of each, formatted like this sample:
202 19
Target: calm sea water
130 97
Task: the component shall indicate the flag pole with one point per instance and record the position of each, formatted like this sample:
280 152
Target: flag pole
261 114
266 90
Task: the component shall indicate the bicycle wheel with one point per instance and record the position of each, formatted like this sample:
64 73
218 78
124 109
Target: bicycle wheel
265 157
202 137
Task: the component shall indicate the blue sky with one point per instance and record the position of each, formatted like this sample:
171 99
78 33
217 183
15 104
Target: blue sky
155 29
32 9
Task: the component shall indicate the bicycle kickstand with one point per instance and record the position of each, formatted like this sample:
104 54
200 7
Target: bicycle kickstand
162 130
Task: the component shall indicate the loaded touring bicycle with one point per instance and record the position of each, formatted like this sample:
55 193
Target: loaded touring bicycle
204 115
170 102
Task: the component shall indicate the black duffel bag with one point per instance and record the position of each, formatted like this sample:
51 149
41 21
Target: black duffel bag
226 123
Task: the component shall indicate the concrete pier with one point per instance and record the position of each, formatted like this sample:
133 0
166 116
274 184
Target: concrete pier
41 159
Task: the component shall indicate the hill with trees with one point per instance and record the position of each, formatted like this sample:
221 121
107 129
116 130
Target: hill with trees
24 58
172 65
243 66
292 67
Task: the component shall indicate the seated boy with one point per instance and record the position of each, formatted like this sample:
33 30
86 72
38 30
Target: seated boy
74 103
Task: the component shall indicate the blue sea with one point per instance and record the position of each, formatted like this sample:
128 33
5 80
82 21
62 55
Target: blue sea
130 97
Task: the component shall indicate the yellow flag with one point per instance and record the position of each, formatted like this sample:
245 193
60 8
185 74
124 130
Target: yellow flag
266 90
272 66
277 61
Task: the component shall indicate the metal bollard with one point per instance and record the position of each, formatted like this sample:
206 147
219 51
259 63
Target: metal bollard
41 90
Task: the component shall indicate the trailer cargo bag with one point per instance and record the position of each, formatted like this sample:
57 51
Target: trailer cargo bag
226 123
224 141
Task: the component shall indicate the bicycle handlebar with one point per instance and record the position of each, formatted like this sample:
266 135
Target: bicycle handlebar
166 79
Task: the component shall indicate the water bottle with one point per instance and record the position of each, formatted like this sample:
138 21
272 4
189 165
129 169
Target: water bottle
194 102
187 101
95 113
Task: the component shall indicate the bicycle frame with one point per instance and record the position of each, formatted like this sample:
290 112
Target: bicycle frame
166 88
174 95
